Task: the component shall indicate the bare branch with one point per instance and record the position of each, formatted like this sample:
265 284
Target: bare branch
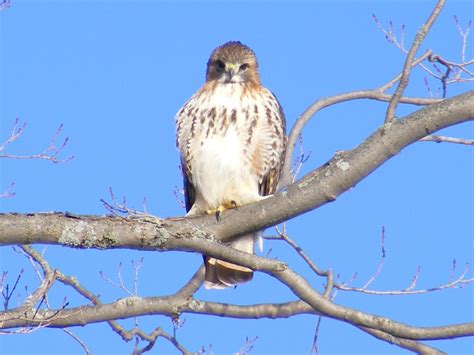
151 339
410 290
317 188
300 160
381 262
453 72
51 275
121 209
464 35
314 347
193 285
329 101
377 94
420 36
78 340
8 193
396 79
51 152
199 235
248 346
296 283
5 290
178 193
412 345
392 38
328 273
441 139
460 281
118 284
5 4
139 230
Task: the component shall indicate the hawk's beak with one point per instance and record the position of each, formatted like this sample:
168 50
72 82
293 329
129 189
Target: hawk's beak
230 69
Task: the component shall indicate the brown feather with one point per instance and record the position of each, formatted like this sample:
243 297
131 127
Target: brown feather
232 100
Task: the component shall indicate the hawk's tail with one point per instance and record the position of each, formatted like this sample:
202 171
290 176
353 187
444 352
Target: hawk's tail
221 274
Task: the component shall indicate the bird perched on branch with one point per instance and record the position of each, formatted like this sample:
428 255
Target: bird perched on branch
231 138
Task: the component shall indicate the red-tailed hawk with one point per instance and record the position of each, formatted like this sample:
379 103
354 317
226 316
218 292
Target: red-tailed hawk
231 137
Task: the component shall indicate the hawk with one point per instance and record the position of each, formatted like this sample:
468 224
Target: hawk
231 138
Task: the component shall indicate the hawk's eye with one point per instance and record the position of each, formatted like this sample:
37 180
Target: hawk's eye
244 67
220 64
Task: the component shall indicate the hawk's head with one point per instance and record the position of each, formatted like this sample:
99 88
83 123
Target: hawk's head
233 62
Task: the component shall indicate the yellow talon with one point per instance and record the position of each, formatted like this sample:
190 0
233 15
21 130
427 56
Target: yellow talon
218 211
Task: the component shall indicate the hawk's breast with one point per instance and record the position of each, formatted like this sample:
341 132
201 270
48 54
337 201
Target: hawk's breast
226 136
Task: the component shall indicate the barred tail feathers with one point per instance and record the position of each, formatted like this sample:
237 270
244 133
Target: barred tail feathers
221 274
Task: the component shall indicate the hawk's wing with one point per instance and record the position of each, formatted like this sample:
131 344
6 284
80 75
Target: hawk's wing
184 125
189 191
269 182
271 177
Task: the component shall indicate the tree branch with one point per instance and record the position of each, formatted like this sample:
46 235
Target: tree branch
412 345
318 105
199 234
317 188
420 36
440 139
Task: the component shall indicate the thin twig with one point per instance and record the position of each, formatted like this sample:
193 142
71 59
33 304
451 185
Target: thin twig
459 282
328 273
120 284
314 347
464 35
121 209
247 347
6 292
420 36
51 275
51 152
178 193
5 4
381 262
8 192
441 139
78 340
392 38
300 160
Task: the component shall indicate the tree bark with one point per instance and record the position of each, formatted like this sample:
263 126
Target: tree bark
317 188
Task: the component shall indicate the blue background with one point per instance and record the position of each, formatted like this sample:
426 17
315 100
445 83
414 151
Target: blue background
116 72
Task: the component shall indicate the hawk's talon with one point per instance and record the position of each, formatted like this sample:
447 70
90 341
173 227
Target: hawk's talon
218 211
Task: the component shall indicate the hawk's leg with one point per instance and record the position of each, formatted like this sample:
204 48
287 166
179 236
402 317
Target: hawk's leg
218 211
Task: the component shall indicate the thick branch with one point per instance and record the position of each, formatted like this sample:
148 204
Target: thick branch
317 188
137 306
415 346
198 234
172 306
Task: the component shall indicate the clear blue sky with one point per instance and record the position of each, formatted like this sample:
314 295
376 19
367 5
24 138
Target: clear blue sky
116 72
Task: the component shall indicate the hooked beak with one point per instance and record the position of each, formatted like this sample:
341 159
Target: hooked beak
230 70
